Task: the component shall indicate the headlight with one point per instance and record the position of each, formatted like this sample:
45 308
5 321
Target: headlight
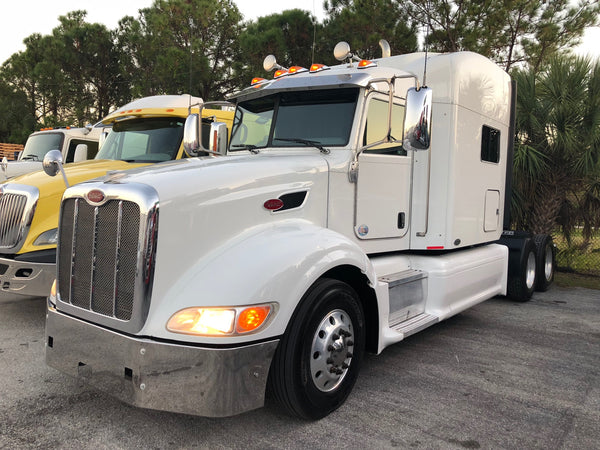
49 237
220 321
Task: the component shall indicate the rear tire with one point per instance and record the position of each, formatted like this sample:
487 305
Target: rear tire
522 273
318 359
546 262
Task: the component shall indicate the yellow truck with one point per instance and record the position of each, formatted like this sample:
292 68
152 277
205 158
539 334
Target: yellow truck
145 131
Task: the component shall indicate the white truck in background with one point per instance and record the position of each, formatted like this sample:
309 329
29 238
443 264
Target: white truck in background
75 144
355 207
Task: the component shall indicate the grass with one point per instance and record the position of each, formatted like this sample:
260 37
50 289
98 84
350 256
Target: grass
567 280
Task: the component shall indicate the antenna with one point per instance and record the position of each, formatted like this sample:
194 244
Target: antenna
314 43
426 48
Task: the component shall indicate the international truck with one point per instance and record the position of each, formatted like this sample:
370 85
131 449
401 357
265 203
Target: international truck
145 131
75 145
357 205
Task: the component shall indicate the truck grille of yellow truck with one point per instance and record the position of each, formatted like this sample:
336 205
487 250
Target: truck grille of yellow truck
12 209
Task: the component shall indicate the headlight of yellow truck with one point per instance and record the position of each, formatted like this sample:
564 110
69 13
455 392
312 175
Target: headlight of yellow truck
49 237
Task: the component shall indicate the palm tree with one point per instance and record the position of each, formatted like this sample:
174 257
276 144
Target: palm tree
557 147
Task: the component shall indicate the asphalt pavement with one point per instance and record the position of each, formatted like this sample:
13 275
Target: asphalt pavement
499 375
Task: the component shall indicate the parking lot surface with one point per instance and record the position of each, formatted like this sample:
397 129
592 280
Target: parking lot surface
499 375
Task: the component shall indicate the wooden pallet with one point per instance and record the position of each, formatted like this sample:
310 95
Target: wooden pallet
11 151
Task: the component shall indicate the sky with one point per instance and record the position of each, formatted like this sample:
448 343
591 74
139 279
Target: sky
25 17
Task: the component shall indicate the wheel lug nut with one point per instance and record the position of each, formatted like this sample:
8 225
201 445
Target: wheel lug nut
335 337
349 355
329 361
349 343
333 369
345 366
330 348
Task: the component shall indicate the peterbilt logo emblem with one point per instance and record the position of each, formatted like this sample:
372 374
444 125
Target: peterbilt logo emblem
95 196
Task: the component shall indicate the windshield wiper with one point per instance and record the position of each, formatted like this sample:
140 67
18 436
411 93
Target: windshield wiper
252 148
315 144
34 157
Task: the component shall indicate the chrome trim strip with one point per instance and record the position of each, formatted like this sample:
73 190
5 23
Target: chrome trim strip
117 248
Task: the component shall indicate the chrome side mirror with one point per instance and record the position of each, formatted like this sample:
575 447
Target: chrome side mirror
218 138
192 135
417 120
53 163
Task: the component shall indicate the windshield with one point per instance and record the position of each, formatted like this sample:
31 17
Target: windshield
290 119
143 140
38 145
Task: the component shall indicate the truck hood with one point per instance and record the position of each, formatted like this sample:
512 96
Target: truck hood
76 173
16 168
188 184
209 206
51 190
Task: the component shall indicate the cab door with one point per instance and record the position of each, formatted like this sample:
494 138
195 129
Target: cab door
384 175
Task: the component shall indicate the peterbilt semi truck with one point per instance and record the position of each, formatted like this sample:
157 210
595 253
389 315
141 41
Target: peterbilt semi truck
146 131
357 205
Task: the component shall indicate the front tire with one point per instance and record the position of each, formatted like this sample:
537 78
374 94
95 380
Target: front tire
318 359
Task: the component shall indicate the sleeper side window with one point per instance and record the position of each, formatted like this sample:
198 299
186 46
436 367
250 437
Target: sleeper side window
490 144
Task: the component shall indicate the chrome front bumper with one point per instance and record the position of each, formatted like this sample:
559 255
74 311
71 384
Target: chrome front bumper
211 382
26 278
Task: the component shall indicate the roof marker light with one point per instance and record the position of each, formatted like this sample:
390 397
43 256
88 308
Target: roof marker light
280 73
169 110
365 63
296 69
318 68
257 80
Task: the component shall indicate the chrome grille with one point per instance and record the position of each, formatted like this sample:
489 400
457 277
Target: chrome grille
12 223
98 256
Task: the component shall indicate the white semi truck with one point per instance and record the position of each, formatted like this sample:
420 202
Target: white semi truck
355 207
75 144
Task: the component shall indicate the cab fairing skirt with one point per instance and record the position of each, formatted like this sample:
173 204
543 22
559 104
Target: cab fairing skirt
211 382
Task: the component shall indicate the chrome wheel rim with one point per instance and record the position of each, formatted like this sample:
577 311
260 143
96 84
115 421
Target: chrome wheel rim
530 271
331 350
548 263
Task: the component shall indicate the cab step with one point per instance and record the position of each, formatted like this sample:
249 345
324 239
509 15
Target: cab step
415 324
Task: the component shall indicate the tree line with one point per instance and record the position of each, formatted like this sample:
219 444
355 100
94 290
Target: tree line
82 71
